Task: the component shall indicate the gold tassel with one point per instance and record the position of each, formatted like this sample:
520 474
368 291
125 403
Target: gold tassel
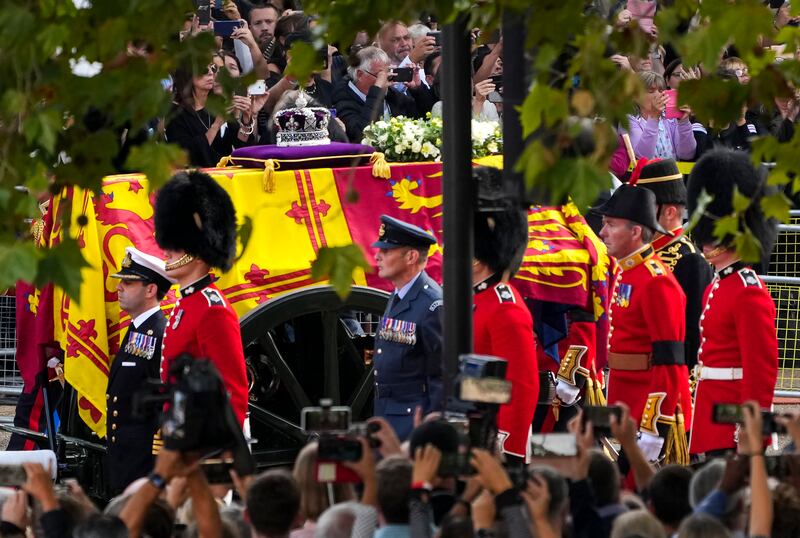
380 168
596 395
225 161
268 181
682 442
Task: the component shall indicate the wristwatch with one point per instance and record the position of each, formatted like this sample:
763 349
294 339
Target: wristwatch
157 480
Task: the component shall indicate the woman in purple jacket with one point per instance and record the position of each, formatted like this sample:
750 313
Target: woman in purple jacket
654 136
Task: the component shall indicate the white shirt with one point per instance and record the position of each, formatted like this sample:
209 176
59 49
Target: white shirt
141 318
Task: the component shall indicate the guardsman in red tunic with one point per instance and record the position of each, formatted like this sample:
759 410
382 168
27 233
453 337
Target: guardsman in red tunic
502 323
646 353
679 254
738 357
196 226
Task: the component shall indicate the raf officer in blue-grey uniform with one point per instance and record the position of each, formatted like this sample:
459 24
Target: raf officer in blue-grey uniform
408 345
143 283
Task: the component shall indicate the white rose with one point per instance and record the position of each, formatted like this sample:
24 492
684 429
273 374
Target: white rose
492 147
416 147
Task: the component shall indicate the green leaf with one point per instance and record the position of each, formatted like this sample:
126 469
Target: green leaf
304 61
62 266
337 264
702 202
543 106
740 201
17 262
713 100
156 161
776 205
726 226
748 246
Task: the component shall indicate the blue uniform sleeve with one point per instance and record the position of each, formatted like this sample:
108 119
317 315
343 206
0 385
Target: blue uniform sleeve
432 345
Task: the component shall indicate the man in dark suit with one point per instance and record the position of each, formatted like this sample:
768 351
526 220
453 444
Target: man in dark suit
408 345
143 283
366 96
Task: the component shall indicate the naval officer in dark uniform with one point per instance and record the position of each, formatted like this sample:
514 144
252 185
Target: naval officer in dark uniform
143 283
408 345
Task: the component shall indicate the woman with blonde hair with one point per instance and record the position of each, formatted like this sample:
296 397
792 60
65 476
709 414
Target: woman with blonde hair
315 496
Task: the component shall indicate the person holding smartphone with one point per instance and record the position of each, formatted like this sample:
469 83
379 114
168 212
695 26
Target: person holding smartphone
207 137
652 134
738 354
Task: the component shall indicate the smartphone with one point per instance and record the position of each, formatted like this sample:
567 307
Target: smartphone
226 28
732 414
554 445
12 475
335 473
217 470
401 74
339 448
454 464
204 12
497 80
240 90
437 36
259 87
600 417
672 111
325 419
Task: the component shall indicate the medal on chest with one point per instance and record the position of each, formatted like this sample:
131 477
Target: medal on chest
623 298
398 330
141 345
177 321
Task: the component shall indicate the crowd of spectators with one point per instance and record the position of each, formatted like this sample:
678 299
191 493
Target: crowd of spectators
357 81
655 131
403 490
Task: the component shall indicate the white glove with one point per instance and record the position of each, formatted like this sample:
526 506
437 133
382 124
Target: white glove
650 445
566 392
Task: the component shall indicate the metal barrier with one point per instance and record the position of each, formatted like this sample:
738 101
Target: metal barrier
783 281
10 380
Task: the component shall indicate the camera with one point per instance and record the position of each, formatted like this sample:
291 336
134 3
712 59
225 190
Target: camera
197 415
480 388
728 413
600 417
338 439
401 74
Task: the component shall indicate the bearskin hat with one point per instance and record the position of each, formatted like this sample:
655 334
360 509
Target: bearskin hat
663 178
717 173
194 214
501 227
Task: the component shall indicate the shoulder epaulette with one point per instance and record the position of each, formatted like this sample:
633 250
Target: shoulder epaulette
655 267
688 244
504 294
213 297
749 278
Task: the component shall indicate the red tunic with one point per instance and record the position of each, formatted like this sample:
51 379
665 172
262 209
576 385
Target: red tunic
647 318
503 327
204 325
737 331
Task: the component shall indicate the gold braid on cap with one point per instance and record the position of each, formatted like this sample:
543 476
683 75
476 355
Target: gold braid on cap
186 259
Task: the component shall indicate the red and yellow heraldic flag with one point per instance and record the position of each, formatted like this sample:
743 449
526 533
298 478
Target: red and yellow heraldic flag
307 210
